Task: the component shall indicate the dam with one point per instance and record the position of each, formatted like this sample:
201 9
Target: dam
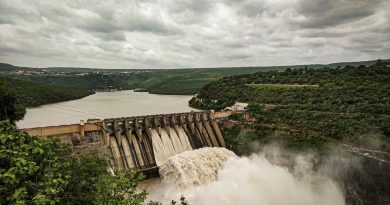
139 143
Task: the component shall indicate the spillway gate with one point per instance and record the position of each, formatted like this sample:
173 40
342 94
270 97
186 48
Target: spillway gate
144 142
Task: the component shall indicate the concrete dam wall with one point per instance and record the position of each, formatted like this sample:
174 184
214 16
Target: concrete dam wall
147 142
139 143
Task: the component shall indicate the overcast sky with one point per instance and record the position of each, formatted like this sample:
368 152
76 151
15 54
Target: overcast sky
192 33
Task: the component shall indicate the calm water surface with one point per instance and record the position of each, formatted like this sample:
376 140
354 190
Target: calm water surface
104 105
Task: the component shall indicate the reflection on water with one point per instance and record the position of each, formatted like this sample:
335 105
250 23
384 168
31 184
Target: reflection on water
104 105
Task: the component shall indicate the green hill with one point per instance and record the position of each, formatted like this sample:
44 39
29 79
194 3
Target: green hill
31 94
310 103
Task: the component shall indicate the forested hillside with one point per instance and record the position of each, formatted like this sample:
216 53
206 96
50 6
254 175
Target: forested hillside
31 94
309 103
91 81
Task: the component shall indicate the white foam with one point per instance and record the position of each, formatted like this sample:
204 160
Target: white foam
216 176
195 167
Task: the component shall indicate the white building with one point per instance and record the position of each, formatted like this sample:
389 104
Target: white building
237 107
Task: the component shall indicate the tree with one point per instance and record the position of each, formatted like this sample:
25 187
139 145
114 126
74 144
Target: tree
32 171
84 173
120 189
9 109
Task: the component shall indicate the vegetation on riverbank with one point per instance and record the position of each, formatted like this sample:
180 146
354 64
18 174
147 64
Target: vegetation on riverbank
31 94
10 109
348 100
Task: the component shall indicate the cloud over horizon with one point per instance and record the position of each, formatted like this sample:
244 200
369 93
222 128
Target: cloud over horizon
192 33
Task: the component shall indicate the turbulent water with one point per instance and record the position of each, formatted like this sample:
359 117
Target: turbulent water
216 176
195 167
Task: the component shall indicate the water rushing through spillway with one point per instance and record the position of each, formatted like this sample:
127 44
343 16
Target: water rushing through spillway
169 144
217 176
144 143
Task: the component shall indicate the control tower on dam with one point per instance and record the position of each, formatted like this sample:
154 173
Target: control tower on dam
139 143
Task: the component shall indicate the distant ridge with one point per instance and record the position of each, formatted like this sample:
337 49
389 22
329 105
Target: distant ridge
366 63
6 67
9 67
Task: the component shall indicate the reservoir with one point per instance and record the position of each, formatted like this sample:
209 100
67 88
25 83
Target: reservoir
103 105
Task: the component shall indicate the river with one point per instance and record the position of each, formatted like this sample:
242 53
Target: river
104 105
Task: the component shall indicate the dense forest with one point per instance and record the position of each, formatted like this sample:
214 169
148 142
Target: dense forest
31 94
329 102
10 109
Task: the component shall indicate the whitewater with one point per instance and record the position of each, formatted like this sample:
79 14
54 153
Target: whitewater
217 176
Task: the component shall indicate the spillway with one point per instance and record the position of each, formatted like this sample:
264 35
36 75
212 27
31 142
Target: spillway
146 142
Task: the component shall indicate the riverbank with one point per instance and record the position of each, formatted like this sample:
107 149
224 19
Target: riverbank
32 94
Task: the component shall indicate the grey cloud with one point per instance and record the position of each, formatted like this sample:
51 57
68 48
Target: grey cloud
130 21
321 33
251 8
149 25
197 48
237 56
111 36
281 45
325 13
235 45
195 6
